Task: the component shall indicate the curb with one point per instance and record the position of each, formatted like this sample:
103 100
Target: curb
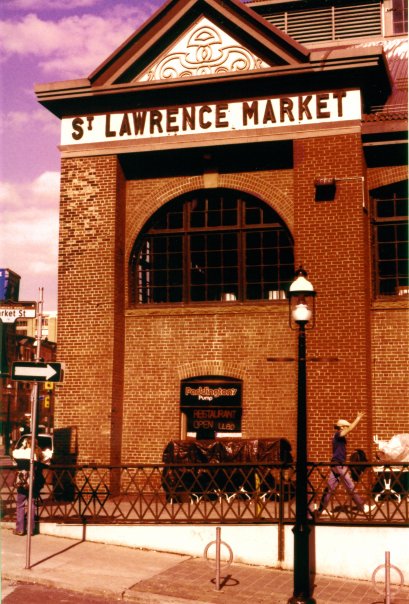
21 577
144 597
129 595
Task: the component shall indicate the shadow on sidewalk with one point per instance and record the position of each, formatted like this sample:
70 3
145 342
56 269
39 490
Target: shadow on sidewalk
83 539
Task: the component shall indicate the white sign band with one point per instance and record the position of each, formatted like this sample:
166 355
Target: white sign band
297 110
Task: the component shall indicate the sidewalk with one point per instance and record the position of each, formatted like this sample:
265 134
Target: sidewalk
122 573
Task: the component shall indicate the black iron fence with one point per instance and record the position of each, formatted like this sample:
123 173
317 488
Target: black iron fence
207 493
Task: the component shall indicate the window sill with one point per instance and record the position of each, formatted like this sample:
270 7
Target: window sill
391 303
209 308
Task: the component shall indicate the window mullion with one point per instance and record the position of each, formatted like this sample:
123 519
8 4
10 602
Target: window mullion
241 234
187 261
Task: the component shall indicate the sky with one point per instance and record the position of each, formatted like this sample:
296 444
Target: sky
45 41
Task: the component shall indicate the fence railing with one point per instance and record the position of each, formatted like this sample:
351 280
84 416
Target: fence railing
210 493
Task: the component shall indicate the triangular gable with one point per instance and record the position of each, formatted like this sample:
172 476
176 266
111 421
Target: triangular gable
204 49
214 49
225 35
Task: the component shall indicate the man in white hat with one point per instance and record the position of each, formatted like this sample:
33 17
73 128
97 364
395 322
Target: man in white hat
339 471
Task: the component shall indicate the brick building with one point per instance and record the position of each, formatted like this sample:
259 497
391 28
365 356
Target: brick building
221 146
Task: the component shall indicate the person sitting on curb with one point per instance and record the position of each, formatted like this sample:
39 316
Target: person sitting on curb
339 471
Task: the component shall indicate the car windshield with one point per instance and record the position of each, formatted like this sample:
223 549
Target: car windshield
44 441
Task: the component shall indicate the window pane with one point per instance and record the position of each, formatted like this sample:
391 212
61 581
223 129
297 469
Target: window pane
386 208
214 276
197 214
214 216
230 211
387 269
391 239
387 286
400 16
402 232
386 251
270 239
253 240
269 215
213 242
253 257
253 216
401 207
254 274
403 268
257 252
386 233
197 268
175 294
403 250
198 242
254 292
271 256
229 275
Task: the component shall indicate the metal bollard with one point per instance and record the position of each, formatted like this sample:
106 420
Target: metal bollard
388 592
218 541
218 544
387 578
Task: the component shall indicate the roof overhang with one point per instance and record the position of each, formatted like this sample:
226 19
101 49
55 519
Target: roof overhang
364 68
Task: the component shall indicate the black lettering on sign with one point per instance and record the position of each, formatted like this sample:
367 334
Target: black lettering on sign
77 124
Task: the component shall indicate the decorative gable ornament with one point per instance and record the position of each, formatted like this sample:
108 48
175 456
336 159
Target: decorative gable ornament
205 49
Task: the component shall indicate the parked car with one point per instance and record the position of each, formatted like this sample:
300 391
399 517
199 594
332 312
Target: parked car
45 442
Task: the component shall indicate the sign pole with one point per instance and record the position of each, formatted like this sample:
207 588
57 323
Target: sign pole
34 405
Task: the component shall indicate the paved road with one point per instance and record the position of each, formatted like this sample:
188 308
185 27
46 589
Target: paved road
22 593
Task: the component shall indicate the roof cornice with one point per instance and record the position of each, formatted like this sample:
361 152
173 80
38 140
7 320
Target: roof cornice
348 68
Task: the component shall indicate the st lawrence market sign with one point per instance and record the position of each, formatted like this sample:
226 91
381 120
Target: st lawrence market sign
212 405
251 114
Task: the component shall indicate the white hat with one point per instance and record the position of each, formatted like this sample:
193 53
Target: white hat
342 423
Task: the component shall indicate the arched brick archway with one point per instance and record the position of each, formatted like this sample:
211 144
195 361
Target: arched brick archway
212 240
278 195
211 367
381 177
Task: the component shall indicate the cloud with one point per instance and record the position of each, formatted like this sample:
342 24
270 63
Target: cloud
29 228
40 120
47 186
39 5
71 46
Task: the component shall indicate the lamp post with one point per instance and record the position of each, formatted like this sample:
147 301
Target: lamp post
301 297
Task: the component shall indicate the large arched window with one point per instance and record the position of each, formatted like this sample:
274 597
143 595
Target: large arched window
212 245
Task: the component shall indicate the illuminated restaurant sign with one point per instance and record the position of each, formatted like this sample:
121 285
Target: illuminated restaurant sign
251 114
206 393
212 405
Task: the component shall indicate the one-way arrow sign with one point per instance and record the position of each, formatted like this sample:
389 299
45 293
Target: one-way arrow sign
37 372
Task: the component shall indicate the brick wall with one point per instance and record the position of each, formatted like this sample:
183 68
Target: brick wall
390 350
120 398
165 347
331 243
90 296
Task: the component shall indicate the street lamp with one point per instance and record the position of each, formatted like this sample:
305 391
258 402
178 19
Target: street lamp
301 298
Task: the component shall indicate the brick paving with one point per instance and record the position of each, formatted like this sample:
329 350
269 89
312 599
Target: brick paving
149 577
194 580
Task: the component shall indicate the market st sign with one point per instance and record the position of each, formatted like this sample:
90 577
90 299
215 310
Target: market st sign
251 114
10 311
